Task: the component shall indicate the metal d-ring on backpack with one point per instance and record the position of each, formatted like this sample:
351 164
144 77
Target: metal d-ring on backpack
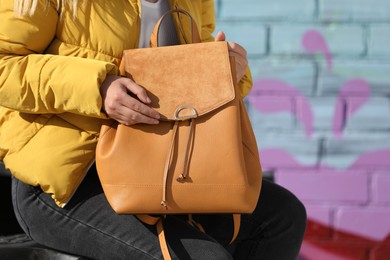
202 157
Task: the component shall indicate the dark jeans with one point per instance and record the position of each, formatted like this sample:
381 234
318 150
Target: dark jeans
87 226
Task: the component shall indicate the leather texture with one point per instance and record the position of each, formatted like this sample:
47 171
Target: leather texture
212 88
224 173
202 157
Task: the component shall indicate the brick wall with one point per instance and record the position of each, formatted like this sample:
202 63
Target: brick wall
320 108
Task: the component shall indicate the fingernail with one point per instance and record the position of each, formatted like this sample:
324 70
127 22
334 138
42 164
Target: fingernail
156 122
148 100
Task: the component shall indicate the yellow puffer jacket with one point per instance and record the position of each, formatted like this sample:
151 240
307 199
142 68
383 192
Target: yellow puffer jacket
51 68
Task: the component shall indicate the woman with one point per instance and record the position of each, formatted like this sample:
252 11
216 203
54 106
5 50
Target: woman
58 83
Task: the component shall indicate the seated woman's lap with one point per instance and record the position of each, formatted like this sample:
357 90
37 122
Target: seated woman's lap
88 226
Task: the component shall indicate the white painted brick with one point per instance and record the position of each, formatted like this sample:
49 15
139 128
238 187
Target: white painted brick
265 120
287 150
357 151
299 74
379 40
323 110
376 73
341 39
373 115
252 36
265 9
332 10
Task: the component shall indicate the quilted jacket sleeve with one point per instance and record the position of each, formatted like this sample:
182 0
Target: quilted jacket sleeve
33 82
208 27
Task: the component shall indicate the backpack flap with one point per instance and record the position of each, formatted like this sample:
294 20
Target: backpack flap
206 81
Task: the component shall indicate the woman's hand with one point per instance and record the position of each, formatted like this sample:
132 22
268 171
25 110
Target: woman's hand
238 52
120 104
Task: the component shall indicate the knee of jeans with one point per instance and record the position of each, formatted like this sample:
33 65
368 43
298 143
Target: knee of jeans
204 249
216 253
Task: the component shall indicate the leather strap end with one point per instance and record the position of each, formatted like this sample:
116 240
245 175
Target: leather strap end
162 239
236 223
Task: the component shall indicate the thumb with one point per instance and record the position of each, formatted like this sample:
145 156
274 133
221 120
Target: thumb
220 37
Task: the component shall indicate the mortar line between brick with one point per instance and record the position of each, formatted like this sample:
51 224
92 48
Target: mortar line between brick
366 39
370 190
316 9
336 57
316 83
267 39
321 151
219 8
299 20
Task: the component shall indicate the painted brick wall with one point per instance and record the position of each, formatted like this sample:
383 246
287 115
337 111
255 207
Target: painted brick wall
320 107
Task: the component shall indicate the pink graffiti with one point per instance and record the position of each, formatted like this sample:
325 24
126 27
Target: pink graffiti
279 86
313 42
275 157
269 107
357 86
374 159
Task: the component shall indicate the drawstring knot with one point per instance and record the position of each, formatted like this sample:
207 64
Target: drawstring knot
186 159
